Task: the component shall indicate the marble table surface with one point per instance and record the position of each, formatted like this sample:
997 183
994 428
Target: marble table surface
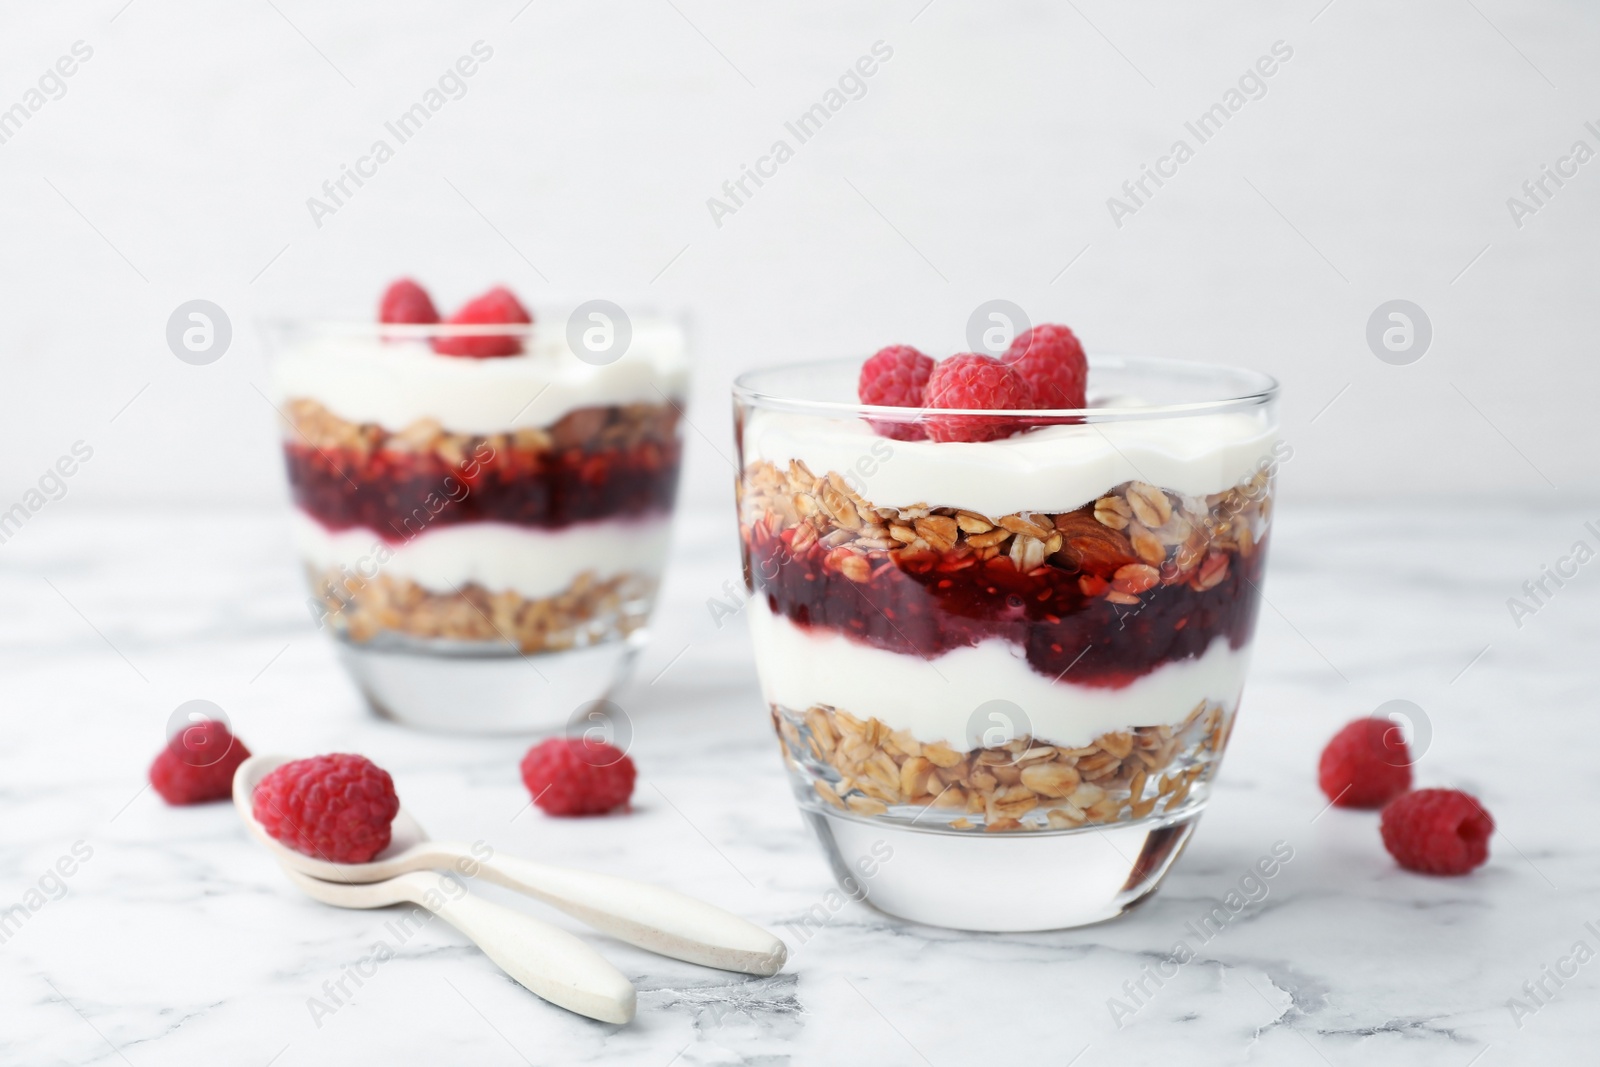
175 940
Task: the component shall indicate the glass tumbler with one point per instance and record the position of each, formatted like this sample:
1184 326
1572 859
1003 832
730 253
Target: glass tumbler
483 537
1003 672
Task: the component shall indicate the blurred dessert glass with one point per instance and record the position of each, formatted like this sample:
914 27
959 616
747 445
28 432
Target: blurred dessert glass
483 536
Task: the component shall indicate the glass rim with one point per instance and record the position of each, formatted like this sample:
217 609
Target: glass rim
746 389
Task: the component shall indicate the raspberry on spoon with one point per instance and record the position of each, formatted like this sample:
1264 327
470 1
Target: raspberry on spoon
335 808
497 306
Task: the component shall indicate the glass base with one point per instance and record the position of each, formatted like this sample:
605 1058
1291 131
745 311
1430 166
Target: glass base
1003 882
488 693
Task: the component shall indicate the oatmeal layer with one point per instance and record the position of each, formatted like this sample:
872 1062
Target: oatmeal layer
860 765
589 611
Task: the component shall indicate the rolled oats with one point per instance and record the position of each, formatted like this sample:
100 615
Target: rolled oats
1113 511
1017 524
985 540
587 612
1149 504
1026 552
1135 578
1051 779
1146 544
589 429
1212 571
973 524
1025 784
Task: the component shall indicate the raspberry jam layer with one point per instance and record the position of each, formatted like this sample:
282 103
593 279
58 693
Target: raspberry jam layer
392 492
926 604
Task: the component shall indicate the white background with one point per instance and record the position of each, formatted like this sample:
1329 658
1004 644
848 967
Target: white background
977 165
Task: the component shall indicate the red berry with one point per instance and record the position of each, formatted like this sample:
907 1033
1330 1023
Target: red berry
577 776
971 380
896 377
198 764
1437 831
1366 765
336 808
406 301
1050 359
495 307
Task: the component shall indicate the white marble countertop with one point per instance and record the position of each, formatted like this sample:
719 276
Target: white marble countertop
179 942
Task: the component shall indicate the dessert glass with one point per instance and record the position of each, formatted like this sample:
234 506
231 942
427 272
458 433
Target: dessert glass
483 537
1003 674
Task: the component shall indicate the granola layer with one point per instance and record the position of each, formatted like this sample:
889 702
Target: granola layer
864 767
589 611
1138 577
593 463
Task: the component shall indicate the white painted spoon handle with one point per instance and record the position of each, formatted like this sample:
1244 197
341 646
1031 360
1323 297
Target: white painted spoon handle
657 919
544 958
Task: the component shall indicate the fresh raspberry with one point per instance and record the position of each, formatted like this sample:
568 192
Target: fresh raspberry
577 776
406 301
1437 831
896 377
1366 765
496 306
1050 359
336 808
198 764
971 380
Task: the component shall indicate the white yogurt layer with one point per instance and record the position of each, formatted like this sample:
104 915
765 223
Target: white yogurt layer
935 698
396 383
530 561
1057 468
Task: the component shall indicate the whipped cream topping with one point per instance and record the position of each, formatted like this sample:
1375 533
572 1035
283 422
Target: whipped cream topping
497 556
935 698
396 383
1056 468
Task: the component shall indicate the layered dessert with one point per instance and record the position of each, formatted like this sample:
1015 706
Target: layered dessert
991 604
474 484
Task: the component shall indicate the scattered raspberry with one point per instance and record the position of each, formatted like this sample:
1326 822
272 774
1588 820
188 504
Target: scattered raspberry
336 808
896 377
496 306
971 380
198 764
573 776
1050 359
1366 765
406 301
1437 831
